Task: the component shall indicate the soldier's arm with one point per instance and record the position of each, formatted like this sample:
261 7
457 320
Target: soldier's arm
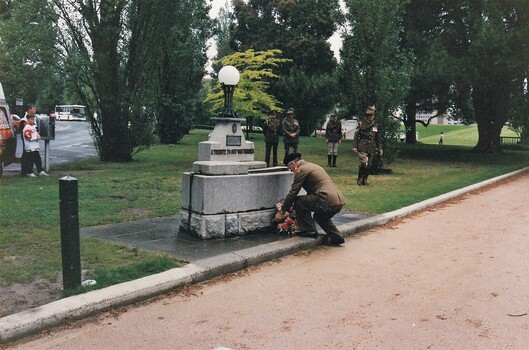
284 128
356 138
299 179
378 140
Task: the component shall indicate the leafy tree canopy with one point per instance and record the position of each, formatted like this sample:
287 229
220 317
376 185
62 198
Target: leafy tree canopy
300 29
374 69
472 58
28 60
251 97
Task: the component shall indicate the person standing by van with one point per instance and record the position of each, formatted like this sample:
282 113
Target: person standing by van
31 137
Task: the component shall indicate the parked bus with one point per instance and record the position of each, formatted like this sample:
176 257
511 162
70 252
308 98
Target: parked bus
70 112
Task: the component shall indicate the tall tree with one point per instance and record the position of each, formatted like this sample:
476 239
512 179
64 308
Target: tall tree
92 47
496 30
374 69
28 62
133 60
300 29
172 66
223 27
432 73
472 58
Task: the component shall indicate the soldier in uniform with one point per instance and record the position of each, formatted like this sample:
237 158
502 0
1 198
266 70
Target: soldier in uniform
271 128
333 137
290 129
323 198
366 143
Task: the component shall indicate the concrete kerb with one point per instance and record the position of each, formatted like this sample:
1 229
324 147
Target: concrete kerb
76 307
31 321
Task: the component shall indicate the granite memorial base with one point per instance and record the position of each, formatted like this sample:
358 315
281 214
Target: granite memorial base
218 206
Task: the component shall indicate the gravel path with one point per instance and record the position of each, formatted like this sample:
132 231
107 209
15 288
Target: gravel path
452 277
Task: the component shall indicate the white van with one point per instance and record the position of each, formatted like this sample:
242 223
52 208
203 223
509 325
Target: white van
70 112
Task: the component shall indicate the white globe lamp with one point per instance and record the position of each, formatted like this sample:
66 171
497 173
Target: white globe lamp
229 78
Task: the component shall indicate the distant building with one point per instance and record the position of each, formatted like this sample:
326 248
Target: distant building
424 116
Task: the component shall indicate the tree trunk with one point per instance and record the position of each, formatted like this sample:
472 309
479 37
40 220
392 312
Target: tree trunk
115 141
167 126
409 121
491 108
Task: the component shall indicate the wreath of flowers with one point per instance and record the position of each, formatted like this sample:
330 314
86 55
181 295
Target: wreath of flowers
288 223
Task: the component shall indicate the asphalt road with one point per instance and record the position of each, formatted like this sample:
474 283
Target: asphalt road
453 276
72 142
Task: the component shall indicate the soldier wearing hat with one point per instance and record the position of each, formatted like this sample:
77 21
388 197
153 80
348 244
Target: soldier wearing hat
271 129
333 137
290 129
366 143
323 198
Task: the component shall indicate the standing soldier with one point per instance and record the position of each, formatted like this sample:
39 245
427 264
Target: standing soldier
333 137
271 129
290 129
366 143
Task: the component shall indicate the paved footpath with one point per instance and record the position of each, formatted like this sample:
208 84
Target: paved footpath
454 276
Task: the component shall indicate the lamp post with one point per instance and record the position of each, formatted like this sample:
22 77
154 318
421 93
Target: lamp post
229 78
226 142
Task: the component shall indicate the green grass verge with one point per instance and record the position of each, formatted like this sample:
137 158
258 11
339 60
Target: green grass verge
150 186
107 276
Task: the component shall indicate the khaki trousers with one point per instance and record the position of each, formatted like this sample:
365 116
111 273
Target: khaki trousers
323 213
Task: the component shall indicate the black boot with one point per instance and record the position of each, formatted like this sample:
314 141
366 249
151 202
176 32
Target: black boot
360 175
365 175
329 160
334 161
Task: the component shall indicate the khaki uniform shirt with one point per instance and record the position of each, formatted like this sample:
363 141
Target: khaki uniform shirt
271 128
315 180
367 138
290 126
333 130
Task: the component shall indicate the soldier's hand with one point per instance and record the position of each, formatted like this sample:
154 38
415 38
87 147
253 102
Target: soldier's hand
380 152
354 150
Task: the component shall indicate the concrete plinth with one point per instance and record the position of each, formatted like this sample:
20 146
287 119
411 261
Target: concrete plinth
226 225
228 205
229 193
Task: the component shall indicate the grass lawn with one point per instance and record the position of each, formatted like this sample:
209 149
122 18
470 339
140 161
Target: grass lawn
149 187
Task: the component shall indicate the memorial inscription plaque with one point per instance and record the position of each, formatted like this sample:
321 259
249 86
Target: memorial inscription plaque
233 140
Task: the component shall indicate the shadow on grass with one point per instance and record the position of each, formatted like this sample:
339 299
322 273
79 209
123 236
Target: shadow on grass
447 153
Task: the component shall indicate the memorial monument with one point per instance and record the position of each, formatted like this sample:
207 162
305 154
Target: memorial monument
228 193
